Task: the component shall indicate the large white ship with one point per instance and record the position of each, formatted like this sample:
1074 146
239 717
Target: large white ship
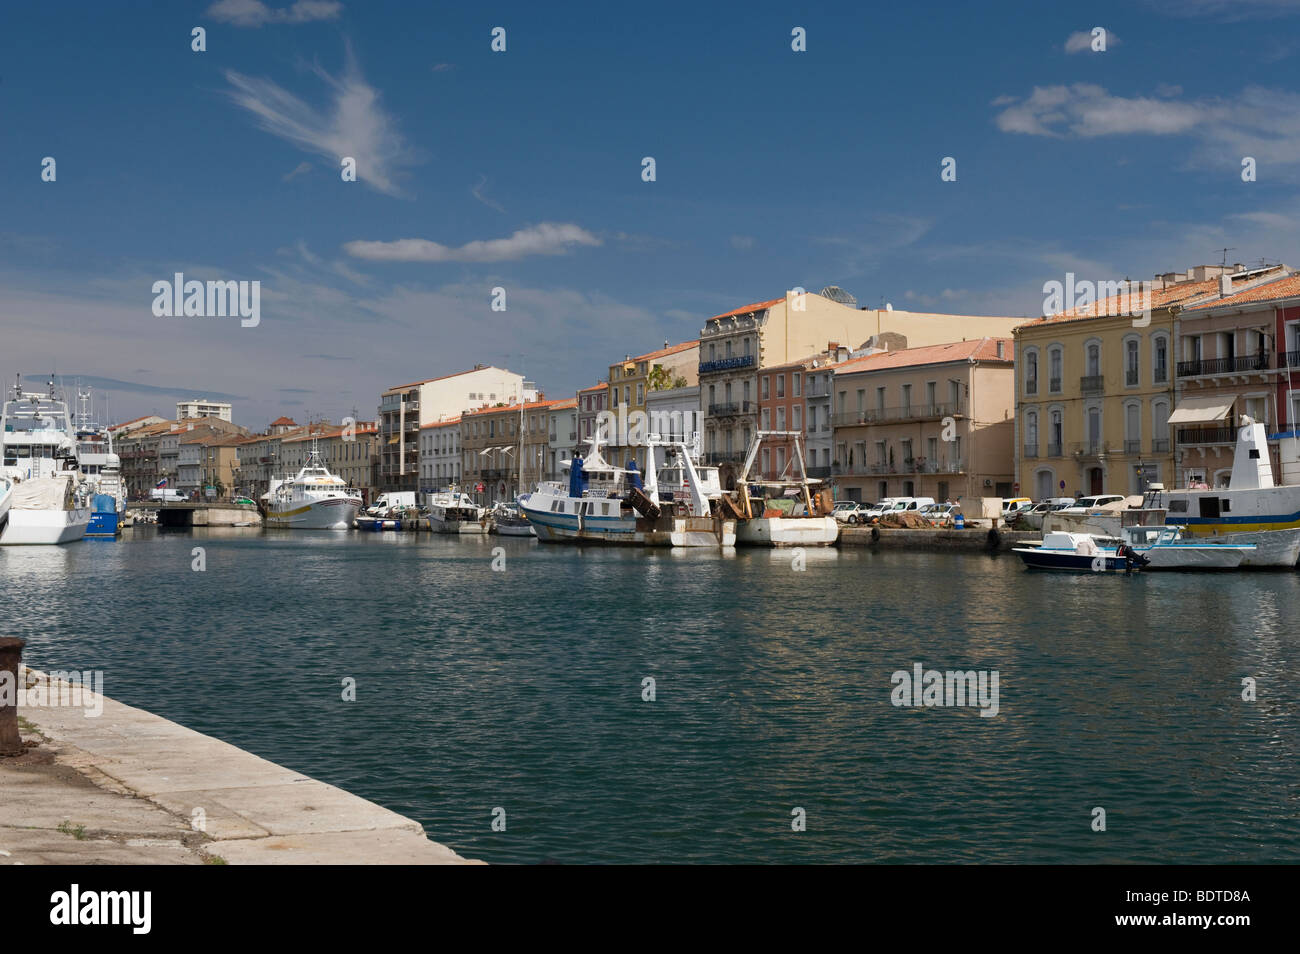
50 499
315 499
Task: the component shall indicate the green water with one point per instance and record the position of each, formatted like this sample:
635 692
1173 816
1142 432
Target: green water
522 689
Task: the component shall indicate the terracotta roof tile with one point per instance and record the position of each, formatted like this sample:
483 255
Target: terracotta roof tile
1275 290
982 349
746 309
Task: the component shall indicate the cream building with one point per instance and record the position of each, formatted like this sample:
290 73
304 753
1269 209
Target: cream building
440 460
736 345
404 409
202 407
933 421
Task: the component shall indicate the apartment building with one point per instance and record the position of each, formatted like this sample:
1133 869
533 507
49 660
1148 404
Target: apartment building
1238 351
504 449
631 379
405 409
1096 390
934 421
207 463
440 459
737 345
781 407
591 401
202 407
562 438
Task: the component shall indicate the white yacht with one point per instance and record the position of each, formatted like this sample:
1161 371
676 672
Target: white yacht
793 516
452 511
315 499
102 469
49 502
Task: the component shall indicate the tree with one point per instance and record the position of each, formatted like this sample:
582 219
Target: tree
659 378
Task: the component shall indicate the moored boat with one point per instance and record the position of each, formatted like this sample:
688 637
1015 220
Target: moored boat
784 512
508 521
314 499
452 511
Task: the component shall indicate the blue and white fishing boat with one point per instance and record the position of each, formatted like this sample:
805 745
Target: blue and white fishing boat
1140 547
604 503
1078 551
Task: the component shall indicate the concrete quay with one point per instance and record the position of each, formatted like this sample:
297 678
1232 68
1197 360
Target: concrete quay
129 787
970 540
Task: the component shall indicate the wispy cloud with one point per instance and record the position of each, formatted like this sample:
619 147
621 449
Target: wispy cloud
1081 41
742 242
476 191
301 169
354 124
254 13
548 238
1227 10
1258 122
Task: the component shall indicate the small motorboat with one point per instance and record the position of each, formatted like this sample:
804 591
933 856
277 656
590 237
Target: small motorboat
1165 548
1081 551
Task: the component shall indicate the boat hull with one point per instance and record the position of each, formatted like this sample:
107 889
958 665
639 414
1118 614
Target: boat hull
439 525
1273 548
335 513
44 527
1038 558
103 524
514 530
667 531
787 532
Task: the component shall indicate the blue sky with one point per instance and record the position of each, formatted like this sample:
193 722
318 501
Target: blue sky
522 169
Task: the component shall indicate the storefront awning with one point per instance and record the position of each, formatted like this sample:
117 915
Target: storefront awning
1202 410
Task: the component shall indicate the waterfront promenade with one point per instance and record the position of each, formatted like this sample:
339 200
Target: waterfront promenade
129 787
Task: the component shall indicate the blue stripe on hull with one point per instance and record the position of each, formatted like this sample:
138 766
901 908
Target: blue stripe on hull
102 524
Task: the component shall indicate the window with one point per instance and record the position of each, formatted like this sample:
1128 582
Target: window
796 418
780 385
746 392
880 400
1094 360
907 395
1160 372
1031 434
767 462
931 393
1056 434
780 418
765 419
797 384
640 394
766 391
1054 370
1031 372
1131 363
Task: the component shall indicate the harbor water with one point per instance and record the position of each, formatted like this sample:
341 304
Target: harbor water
525 688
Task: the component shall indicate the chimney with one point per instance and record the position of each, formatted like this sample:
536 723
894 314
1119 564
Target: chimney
999 348
1225 285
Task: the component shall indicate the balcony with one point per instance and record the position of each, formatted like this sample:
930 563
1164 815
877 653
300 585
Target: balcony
727 364
1288 359
724 457
1087 449
1054 385
1204 366
820 473
1054 450
1092 383
1160 445
1031 450
1131 378
895 415
1133 447
908 466
1207 435
731 409
1031 386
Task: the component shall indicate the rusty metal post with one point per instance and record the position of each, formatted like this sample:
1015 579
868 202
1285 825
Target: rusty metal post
11 654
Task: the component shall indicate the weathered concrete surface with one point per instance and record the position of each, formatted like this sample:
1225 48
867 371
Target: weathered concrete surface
124 788
974 539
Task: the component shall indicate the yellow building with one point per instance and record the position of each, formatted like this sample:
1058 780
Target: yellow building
629 382
1094 392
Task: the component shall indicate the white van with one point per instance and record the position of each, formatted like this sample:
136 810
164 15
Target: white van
167 495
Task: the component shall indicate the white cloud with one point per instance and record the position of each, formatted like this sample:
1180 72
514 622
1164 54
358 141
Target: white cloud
742 242
1081 41
254 13
1258 122
301 169
354 124
477 192
548 238
1227 10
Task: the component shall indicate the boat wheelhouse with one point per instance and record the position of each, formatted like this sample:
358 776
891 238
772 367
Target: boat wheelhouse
314 499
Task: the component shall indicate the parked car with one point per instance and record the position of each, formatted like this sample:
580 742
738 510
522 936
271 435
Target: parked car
850 511
1033 517
1012 506
1084 504
940 514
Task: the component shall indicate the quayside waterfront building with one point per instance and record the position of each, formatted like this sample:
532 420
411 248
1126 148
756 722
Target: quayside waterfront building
737 345
405 409
1097 391
632 379
933 421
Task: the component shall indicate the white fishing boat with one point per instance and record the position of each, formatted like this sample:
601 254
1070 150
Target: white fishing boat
102 469
784 512
1251 510
604 503
314 499
50 499
47 510
1165 548
451 511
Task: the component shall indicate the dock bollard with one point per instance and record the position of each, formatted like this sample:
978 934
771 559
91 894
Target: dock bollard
11 654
